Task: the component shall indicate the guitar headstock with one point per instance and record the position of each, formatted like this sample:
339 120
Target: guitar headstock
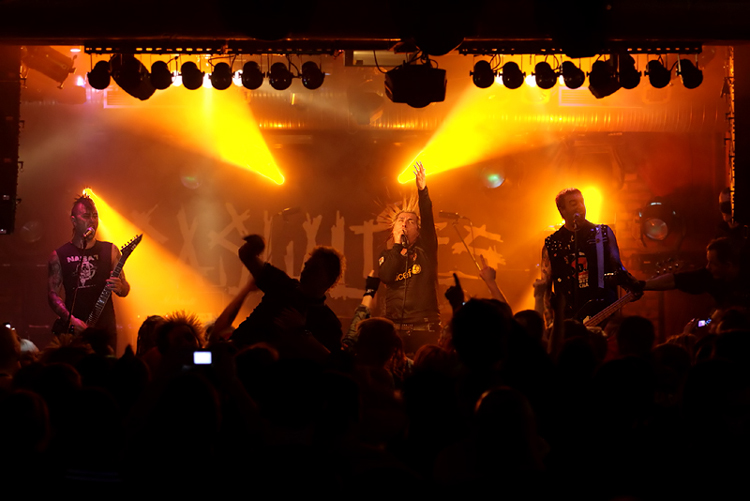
130 246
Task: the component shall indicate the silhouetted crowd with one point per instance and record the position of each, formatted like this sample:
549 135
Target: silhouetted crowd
490 412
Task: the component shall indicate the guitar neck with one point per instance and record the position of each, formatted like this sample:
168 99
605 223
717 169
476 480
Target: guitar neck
104 296
609 310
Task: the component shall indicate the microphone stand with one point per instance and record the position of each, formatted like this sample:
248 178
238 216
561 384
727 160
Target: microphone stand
455 227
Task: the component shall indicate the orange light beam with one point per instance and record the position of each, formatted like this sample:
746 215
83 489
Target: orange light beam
160 283
217 124
468 136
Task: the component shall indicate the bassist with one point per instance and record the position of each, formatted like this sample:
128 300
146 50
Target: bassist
576 258
80 270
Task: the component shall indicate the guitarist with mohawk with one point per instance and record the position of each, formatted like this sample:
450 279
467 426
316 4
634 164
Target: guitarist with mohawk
81 270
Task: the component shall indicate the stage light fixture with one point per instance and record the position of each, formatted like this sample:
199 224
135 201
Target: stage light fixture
192 77
603 79
492 177
312 76
544 75
48 62
629 76
483 74
512 75
221 76
132 76
161 77
99 77
252 77
658 75
660 223
572 75
692 77
415 85
280 77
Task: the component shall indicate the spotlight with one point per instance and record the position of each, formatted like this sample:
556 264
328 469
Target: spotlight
603 79
221 77
544 75
492 177
660 222
99 76
312 77
280 77
132 76
48 62
483 75
629 76
572 75
658 75
415 85
192 77
692 77
161 77
252 77
512 75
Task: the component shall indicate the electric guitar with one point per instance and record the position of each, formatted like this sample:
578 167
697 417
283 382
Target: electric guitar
60 324
670 265
600 317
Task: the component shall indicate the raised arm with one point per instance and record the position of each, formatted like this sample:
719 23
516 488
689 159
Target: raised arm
543 289
488 275
427 229
250 254
362 312
226 318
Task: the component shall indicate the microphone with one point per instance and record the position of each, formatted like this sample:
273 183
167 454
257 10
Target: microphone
450 215
576 216
89 231
404 240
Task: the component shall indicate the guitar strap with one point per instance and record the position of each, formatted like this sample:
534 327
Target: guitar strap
599 239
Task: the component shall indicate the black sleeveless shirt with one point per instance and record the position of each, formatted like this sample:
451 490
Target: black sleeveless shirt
88 270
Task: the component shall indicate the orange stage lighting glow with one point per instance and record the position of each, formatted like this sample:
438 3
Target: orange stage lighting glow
592 198
160 283
217 124
466 137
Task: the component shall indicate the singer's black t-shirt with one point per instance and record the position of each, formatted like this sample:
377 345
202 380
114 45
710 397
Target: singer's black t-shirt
411 280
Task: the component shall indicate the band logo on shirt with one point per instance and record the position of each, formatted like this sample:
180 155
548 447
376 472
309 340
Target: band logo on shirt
87 269
415 270
583 269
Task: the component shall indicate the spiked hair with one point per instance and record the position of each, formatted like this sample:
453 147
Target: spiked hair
391 212
84 200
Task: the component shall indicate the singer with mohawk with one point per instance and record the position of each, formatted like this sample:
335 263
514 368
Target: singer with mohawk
409 269
575 260
80 270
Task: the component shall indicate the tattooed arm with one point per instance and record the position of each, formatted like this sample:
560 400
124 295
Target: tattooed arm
543 289
55 292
